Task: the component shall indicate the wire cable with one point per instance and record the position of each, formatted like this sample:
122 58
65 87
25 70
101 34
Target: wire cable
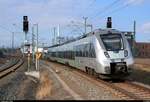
89 6
8 30
106 8
116 10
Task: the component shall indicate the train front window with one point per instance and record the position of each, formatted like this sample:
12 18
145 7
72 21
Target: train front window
112 42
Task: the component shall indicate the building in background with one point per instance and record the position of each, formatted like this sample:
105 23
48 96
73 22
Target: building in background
142 49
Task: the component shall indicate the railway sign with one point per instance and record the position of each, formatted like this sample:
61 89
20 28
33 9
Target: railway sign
38 55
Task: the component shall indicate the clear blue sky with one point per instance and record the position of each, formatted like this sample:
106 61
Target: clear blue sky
49 13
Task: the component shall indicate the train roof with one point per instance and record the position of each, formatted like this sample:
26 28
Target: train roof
100 31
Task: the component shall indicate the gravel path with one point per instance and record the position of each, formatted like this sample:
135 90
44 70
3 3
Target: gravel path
57 90
86 89
17 86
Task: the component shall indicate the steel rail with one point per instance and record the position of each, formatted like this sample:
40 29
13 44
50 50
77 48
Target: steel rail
122 93
11 68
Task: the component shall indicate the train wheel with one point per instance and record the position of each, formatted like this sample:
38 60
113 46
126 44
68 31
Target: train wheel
93 72
86 69
96 75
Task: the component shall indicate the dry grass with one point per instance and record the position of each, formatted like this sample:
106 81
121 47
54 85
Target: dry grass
142 64
144 61
45 87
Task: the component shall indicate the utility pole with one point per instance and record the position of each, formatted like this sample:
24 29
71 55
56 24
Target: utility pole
91 26
58 34
12 41
54 35
37 61
134 38
43 44
85 23
134 30
33 45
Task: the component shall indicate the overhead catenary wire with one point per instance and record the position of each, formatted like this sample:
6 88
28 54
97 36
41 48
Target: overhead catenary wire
105 9
8 30
115 10
88 6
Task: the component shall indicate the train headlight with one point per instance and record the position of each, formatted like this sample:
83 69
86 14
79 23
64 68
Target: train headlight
106 54
125 53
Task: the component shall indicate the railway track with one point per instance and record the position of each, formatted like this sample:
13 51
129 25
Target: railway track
125 90
11 67
139 91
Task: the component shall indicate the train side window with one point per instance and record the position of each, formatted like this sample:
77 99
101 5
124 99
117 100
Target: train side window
64 54
67 53
83 50
92 51
73 54
61 56
87 50
77 51
80 51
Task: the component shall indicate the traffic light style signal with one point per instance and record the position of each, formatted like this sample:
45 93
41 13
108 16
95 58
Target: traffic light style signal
25 18
25 24
109 22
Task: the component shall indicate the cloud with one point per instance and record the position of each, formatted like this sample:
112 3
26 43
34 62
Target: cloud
48 13
134 2
145 28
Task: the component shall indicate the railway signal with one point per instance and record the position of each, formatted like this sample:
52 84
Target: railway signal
109 22
25 24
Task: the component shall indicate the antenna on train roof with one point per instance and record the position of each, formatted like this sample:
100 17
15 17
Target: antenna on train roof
109 22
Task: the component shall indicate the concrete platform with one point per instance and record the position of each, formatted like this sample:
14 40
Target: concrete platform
35 74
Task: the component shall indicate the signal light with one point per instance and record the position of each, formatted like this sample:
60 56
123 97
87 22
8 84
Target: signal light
25 24
109 22
25 18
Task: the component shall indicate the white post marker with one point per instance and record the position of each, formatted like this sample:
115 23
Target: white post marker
28 61
35 73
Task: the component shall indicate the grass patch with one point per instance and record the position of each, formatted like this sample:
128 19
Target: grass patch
45 87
